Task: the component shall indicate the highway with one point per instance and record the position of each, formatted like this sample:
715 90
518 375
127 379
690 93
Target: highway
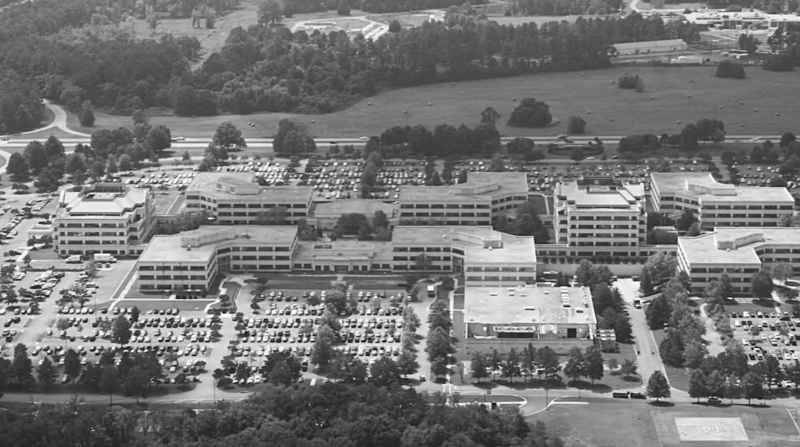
19 142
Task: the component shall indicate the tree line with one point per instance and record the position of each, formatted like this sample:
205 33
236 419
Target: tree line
563 7
358 415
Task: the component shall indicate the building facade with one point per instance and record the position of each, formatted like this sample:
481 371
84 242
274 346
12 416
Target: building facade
555 316
236 199
191 262
718 204
738 253
106 218
482 198
598 219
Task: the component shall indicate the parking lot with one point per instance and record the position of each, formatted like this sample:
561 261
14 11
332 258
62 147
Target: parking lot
288 321
768 333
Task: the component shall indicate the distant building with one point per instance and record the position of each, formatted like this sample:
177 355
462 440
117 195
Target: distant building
106 218
719 204
476 202
236 199
553 316
599 219
737 252
193 261
650 47
487 257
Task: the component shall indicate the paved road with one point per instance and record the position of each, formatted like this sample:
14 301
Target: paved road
648 358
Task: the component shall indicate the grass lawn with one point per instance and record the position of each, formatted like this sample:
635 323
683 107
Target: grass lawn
607 109
625 423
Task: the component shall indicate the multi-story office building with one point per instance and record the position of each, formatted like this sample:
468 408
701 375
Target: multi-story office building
106 218
718 204
476 202
487 257
235 199
192 261
738 253
598 219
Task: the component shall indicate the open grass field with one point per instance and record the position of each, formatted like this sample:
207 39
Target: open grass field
626 423
672 97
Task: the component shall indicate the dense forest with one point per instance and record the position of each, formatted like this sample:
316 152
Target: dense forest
564 7
303 416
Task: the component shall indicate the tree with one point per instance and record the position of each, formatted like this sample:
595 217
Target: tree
438 344
589 275
75 165
72 364
530 113
575 367
646 285
86 114
549 361
323 351
22 367
730 69
747 42
17 167
628 368
685 220
753 386
281 368
134 314
292 138
762 285
384 372
269 12
36 156
121 330
697 384
510 367
694 353
478 366
593 364
227 135
407 362
657 386
160 138
715 383
395 26
497 164
631 81
46 372
489 116
576 125
671 348
343 8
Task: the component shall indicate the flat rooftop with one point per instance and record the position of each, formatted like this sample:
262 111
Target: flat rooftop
529 304
706 188
343 250
243 186
367 207
78 203
200 244
735 245
480 244
479 185
620 196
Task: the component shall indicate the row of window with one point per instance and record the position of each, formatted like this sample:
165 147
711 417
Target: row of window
463 206
516 279
500 269
255 214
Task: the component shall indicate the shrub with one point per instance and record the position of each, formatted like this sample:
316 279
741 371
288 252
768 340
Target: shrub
730 69
631 81
576 125
778 62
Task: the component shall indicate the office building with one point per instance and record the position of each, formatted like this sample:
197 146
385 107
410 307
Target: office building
105 218
718 204
598 219
486 256
236 199
738 253
193 261
476 202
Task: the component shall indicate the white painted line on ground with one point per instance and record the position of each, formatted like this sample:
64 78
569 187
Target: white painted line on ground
791 416
568 403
